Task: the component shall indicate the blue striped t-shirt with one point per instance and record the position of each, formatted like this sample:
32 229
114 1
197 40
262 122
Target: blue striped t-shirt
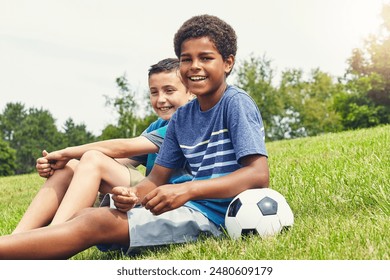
213 142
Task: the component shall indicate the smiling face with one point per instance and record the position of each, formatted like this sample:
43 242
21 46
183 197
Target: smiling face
204 71
167 93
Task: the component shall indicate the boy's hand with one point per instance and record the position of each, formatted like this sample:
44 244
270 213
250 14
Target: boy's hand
56 160
166 198
124 198
43 166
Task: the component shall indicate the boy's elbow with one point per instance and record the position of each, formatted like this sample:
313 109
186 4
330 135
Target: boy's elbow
262 180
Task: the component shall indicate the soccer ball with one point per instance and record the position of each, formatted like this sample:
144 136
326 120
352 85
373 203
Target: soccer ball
258 211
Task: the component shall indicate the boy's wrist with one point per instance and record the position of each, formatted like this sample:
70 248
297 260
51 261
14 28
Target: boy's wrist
66 153
192 190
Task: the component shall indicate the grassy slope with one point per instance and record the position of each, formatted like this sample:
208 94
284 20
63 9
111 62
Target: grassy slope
338 186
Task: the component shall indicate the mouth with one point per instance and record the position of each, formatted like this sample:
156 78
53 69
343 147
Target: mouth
197 78
165 109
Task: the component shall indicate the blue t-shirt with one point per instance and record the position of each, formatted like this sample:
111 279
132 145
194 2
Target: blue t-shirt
155 133
213 142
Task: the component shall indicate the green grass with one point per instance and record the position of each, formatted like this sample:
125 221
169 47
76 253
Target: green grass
337 185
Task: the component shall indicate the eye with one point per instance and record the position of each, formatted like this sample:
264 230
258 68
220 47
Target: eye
170 90
206 58
184 59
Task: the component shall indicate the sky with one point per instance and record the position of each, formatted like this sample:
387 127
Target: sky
64 55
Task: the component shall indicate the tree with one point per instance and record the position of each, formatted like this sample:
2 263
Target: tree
76 134
124 105
318 114
10 120
131 114
366 101
143 123
29 131
255 76
37 131
111 132
292 87
355 107
309 103
7 159
297 107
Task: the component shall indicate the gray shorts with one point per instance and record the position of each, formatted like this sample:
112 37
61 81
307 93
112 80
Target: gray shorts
180 225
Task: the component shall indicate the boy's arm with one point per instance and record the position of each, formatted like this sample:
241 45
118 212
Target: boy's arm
253 174
115 148
125 198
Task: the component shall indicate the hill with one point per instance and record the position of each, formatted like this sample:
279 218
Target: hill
337 185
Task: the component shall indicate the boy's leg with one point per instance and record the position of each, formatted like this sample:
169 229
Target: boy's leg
94 167
90 227
135 176
45 204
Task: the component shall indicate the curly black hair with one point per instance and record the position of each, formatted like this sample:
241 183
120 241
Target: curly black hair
219 32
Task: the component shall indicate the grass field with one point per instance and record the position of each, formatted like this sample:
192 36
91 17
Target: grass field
337 185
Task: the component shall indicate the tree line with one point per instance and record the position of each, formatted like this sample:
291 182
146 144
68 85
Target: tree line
298 105
25 132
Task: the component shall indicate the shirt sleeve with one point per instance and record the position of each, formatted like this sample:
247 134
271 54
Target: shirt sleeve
156 137
245 126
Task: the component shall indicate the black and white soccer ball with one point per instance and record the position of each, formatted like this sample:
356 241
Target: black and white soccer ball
258 211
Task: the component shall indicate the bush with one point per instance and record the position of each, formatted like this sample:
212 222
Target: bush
7 159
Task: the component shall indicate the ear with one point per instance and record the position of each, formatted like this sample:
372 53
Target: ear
229 63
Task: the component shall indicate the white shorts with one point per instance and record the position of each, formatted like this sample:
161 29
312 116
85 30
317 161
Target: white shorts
180 225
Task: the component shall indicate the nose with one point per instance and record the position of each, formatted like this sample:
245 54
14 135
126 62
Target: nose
161 98
195 64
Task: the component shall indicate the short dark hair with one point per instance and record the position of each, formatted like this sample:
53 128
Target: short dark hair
219 32
165 65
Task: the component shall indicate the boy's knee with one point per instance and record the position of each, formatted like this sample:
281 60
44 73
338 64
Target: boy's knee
89 219
93 158
92 155
72 164
95 219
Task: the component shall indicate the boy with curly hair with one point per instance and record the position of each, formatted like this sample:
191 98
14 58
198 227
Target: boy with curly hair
220 134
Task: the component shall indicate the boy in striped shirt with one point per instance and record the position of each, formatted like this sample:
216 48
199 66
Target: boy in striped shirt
220 134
